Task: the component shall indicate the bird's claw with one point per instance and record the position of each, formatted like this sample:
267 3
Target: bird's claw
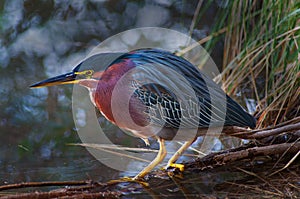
174 170
174 165
129 179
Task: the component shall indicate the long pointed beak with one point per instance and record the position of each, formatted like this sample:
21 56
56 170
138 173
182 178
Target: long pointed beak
68 78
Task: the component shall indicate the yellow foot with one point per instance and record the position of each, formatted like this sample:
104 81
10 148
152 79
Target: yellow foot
128 179
177 166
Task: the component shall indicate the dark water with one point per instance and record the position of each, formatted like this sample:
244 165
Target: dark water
40 39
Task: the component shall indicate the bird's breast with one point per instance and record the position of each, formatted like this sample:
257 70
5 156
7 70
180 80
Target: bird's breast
127 112
115 99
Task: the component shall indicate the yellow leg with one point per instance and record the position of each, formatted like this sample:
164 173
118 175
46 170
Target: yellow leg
138 178
179 152
160 156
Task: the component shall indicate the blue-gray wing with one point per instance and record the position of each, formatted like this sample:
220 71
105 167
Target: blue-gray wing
177 94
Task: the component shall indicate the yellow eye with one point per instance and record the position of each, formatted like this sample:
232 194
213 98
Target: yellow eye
87 73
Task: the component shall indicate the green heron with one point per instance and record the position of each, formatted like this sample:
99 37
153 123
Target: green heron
152 104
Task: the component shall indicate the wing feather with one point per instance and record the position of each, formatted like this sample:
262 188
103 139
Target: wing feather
169 96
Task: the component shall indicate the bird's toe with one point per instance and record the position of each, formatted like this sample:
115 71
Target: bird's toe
176 166
129 179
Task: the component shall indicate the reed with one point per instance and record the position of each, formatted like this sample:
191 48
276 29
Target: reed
261 55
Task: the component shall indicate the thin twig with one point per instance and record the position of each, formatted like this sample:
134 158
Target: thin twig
287 165
261 178
42 184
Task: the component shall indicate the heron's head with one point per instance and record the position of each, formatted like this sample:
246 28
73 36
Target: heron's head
87 73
